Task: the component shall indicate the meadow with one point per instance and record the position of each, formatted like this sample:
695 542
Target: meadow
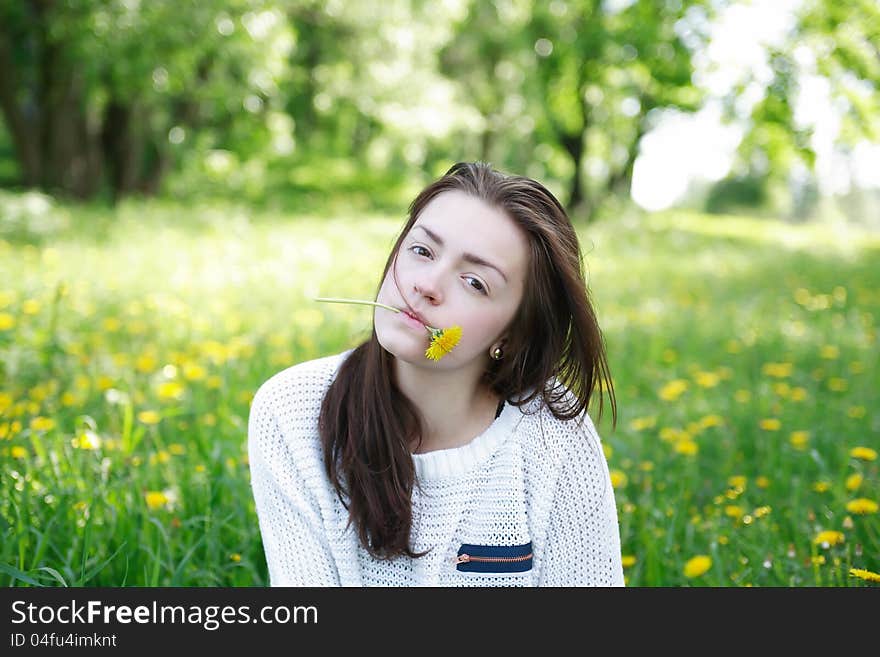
744 356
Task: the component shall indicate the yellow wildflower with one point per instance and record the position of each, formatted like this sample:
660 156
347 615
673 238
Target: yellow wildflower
828 538
866 575
798 439
862 506
149 417
7 321
864 453
156 499
87 440
235 556
673 390
618 478
854 481
737 481
170 390
442 342
639 423
770 424
697 566
686 447
821 486
40 423
628 560
18 452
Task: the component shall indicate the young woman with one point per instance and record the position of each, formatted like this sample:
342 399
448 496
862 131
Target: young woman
378 466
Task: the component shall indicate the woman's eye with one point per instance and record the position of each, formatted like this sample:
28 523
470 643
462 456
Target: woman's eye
479 287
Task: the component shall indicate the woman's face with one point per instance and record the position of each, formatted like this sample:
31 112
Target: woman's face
437 276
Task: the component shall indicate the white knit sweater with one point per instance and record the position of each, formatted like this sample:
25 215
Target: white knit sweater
530 500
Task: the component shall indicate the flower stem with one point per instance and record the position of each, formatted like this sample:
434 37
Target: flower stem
365 303
430 329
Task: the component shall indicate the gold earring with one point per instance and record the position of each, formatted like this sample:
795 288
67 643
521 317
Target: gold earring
497 353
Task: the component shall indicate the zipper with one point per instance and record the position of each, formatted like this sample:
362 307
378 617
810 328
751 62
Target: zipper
476 558
467 558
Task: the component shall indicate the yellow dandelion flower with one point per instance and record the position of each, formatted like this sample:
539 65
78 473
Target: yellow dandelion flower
235 556
7 321
87 440
170 390
200 468
40 423
18 452
863 453
742 396
710 421
829 352
798 394
762 511
854 481
149 417
762 481
707 379
156 499
828 538
737 481
442 342
673 390
146 363
639 423
861 506
733 511
821 486
618 478
837 384
628 560
799 439
697 566
770 424
866 575
607 450
194 372
177 449
782 389
686 447
818 560
778 370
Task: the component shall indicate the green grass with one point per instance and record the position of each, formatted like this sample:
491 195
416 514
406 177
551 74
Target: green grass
134 340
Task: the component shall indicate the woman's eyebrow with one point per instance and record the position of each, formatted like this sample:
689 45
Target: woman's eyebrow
469 257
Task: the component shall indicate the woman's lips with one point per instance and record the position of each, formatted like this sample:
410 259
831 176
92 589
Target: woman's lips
411 321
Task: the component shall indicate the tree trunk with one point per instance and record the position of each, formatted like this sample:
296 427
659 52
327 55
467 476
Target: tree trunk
24 132
573 143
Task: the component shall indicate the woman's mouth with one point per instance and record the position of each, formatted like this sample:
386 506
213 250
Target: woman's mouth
411 320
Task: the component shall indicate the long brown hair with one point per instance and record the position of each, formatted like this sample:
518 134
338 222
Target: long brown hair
366 423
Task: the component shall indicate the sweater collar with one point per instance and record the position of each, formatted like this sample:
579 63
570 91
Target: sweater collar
458 461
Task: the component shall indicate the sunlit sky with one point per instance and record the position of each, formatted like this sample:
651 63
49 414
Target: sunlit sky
688 147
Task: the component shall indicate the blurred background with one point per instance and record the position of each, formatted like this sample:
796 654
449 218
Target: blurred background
179 180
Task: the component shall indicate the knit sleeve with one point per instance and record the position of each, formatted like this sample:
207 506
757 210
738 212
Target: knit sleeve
582 547
297 548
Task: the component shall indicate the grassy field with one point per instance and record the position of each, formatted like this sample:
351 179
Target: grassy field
744 355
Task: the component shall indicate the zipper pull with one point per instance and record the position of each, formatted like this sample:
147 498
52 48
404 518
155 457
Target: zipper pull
463 558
